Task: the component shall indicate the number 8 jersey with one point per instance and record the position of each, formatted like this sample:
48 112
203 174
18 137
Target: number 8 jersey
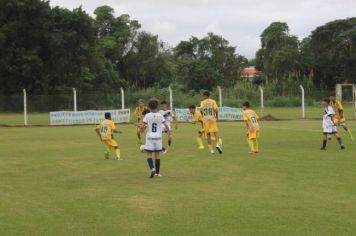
154 121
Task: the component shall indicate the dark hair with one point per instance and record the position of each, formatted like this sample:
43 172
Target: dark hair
153 103
206 93
107 115
192 107
145 112
164 103
327 100
246 104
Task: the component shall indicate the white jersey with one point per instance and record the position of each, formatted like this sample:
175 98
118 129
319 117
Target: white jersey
154 121
328 123
168 117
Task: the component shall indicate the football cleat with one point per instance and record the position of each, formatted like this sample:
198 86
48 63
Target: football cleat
106 155
218 147
152 172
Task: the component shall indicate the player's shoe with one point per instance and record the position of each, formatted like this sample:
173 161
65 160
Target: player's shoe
218 147
164 150
212 152
342 147
158 175
323 149
106 155
152 172
119 159
252 152
201 147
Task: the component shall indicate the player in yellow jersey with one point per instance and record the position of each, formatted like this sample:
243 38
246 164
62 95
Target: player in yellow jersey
105 132
253 128
209 111
198 121
139 116
339 118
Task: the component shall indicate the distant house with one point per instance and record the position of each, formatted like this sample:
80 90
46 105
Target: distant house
250 73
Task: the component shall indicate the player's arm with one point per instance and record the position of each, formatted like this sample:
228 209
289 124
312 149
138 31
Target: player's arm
341 113
250 125
97 130
114 129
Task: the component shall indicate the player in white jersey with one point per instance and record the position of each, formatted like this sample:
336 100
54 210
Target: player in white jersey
155 124
329 127
169 118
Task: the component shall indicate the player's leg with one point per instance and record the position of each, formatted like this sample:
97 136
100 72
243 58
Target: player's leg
325 141
208 139
337 136
138 133
200 140
218 142
107 151
347 129
255 141
250 142
150 149
157 164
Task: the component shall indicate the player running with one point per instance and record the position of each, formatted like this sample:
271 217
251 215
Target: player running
339 118
209 111
253 128
198 121
155 123
329 127
169 118
105 132
139 116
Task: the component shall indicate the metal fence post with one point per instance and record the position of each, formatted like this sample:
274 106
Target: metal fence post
170 98
75 99
122 98
25 106
262 100
220 96
303 101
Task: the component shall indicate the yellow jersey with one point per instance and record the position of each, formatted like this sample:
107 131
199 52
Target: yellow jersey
138 113
198 119
209 107
106 128
251 115
337 106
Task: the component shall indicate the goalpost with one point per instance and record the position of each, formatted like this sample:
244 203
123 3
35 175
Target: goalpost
345 97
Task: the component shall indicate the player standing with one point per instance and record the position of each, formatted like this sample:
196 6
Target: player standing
155 123
198 121
139 116
329 127
339 118
169 118
253 128
209 111
105 132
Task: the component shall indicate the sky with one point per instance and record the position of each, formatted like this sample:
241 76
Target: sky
239 21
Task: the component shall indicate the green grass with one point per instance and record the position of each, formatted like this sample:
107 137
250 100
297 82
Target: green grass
55 181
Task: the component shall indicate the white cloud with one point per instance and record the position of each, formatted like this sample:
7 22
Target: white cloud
240 21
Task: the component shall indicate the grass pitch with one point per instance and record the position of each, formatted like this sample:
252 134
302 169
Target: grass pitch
55 181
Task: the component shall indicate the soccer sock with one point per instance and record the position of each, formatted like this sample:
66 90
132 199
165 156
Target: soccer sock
158 165
200 142
350 134
150 163
118 152
324 143
250 143
339 141
169 143
210 147
255 144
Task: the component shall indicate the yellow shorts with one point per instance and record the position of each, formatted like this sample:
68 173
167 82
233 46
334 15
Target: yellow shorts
339 121
211 127
111 143
253 135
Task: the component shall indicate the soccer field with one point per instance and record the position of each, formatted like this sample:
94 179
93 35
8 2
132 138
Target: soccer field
55 181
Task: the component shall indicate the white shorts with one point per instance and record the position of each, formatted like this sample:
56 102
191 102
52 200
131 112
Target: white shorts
329 129
153 145
164 130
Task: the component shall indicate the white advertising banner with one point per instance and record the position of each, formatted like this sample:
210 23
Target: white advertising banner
224 113
87 117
